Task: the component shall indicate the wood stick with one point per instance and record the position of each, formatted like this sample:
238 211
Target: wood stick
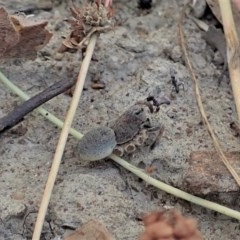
18 113
63 139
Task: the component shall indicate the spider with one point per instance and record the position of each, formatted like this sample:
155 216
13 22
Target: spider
132 130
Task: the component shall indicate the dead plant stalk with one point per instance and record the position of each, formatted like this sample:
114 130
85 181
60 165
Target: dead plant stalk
232 50
200 104
63 138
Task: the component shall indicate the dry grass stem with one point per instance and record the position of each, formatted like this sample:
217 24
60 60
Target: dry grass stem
63 138
200 104
232 50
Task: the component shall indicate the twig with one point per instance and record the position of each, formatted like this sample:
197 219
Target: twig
200 104
232 50
18 113
63 138
50 117
138 172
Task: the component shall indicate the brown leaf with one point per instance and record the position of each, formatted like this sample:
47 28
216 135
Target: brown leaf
169 225
214 6
8 35
92 230
21 37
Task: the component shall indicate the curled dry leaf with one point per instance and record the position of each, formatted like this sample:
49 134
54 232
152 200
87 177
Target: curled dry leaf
169 225
93 230
21 37
214 6
8 35
93 17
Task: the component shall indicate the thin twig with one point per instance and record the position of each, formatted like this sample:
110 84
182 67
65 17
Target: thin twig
50 117
232 50
18 113
138 172
63 138
200 104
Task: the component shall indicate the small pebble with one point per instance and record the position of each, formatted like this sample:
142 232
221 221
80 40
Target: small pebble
58 56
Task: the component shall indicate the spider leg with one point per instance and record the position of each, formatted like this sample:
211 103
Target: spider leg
154 134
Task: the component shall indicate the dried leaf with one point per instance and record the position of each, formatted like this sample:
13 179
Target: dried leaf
8 35
92 17
21 37
92 230
214 6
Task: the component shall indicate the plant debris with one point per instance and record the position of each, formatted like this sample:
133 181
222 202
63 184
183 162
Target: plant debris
93 230
21 37
18 113
200 103
169 225
93 17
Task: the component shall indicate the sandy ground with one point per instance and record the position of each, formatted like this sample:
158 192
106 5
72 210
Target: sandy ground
133 61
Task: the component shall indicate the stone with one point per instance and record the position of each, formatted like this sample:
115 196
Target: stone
207 174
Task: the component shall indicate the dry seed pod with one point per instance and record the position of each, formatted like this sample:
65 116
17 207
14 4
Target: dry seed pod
96 144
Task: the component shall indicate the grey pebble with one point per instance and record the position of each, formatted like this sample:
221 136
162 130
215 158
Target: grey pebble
96 144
